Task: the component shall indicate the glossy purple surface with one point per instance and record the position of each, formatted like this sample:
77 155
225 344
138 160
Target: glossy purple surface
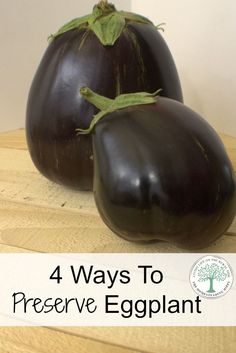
139 61
161 172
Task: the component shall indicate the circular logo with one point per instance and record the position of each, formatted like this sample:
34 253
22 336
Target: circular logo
211 277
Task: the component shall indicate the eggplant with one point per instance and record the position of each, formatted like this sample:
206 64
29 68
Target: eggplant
127 55
161 173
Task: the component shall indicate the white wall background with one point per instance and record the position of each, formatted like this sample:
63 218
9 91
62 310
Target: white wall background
24 28
201 35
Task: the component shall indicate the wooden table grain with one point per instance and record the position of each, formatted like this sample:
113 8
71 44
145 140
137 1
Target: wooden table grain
39 216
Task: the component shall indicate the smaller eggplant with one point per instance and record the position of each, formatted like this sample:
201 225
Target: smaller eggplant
161 171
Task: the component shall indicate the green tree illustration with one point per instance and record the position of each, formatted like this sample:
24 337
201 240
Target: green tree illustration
212 272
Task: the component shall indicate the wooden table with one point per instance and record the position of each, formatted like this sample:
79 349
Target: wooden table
39 216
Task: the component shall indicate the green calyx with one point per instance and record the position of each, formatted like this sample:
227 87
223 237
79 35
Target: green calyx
107 105
105 22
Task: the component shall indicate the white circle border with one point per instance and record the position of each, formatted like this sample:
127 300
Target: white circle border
205 296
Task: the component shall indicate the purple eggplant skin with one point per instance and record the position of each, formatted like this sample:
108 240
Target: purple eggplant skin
139 61
161 173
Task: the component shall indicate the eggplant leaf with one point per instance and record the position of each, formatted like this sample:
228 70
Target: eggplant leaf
129 16
75 23
108 28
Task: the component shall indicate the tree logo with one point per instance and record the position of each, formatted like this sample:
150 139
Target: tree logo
211 277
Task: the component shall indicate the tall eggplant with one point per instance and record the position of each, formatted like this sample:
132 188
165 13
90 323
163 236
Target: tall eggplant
161 171
112 52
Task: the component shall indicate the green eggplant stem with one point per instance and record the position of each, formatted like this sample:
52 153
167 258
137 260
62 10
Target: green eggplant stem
105 21
107 105
100 102
104 5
